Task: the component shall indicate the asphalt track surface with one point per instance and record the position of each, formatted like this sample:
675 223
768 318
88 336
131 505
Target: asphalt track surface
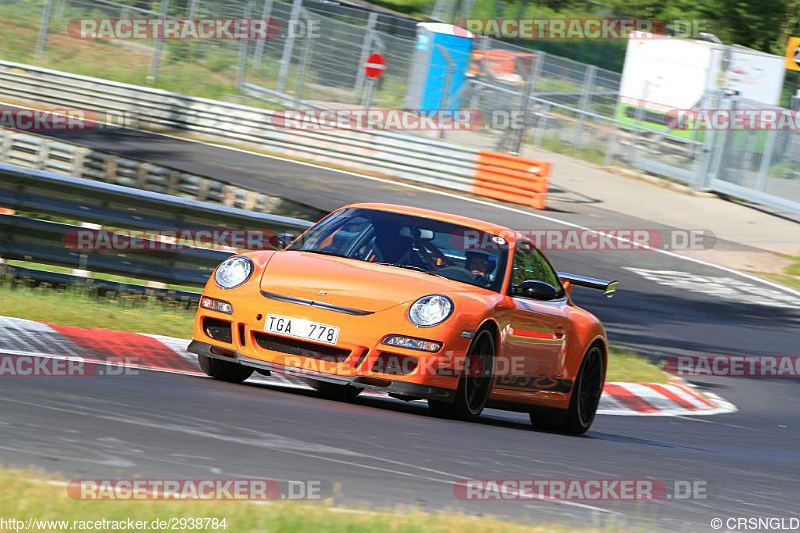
385 452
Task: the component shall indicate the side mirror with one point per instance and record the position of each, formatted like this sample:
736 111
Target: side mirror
536 290
282 240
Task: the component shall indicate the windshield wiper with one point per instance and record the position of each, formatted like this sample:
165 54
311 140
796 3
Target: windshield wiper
412 267
323 252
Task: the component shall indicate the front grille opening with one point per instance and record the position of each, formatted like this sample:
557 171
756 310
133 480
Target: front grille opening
300 347
241 335
361 357
395 364
219 330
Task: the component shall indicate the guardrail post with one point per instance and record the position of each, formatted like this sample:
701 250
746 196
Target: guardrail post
288 46
43 155
228 196
78 160
174 182
81 271
202 190
141 175
8 141
44 28
111 169
250 200
151 77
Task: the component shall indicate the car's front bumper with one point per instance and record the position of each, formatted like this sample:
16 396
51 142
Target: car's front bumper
358 355
391 386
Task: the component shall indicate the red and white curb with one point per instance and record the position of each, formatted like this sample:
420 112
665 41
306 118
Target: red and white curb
168 354
675 398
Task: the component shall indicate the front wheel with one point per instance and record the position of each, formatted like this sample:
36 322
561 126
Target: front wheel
585 397
224 370
474 386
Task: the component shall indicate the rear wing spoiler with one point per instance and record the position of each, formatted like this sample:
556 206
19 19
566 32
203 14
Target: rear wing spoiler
608 287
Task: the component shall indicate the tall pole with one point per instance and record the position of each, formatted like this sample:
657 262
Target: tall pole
288 46
241 71
44 28
266 13
366 48
151 77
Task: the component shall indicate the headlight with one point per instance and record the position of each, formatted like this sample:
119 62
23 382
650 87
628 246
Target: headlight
430 310
233 272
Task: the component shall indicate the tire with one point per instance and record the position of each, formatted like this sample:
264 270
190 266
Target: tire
584 400
472 392
224 370
332 391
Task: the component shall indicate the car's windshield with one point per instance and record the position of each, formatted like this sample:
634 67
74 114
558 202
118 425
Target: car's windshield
406 241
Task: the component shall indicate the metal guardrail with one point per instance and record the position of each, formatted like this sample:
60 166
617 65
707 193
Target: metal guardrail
44 153
394 154
116 206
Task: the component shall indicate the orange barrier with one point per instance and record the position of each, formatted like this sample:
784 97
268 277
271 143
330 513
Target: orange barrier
511 178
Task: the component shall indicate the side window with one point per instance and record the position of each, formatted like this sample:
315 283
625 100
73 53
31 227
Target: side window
341 238
530 264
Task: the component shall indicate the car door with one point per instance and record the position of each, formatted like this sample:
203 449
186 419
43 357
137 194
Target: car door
537 330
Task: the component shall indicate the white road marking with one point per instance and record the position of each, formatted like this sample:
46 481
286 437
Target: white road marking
726 288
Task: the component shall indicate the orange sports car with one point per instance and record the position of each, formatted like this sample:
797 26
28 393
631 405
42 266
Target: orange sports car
415 303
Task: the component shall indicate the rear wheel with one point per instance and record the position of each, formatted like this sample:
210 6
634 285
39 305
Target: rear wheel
585 397
224 370
474 385
333 391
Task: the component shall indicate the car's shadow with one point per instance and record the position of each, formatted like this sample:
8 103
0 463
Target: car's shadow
491 418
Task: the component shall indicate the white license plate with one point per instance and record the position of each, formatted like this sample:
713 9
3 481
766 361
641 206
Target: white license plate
301 328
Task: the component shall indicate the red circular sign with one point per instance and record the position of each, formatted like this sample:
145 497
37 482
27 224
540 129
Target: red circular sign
374 65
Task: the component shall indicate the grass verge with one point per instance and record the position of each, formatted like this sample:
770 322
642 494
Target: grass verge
29 494
625 365
77 307
790 276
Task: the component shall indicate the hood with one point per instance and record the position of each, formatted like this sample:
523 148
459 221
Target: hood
348 282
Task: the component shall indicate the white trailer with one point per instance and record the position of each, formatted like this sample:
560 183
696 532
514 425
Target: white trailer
665 73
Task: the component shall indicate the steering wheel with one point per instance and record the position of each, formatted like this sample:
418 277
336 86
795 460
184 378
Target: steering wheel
433 255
